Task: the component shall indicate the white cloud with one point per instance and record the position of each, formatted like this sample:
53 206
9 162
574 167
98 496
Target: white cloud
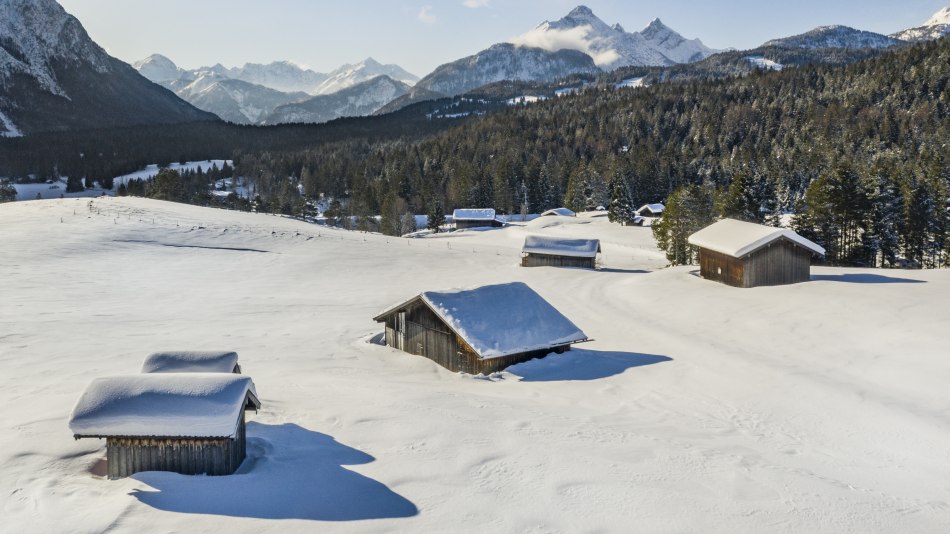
475 4
426 16
569 39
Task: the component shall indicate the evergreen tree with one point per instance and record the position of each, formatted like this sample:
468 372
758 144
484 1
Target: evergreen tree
436 217
621 208
7 192
74 185
123 191
688 210
750 198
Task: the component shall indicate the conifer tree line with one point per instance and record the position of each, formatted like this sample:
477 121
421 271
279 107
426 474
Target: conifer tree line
857 152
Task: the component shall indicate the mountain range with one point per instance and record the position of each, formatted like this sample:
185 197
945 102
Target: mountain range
54 77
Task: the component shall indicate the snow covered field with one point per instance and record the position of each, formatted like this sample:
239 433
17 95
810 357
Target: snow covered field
819 407
58 189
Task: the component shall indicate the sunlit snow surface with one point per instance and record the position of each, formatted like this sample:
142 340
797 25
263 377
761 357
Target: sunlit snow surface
817 407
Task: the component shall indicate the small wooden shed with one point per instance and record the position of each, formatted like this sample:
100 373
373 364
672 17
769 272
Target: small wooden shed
651 210
546 251
476 218
743 254
481 330
559 212
189 423
192 362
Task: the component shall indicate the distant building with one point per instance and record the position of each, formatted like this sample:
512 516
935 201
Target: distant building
544 251
559 212
481 330
651 210
192 362
476 218
743 254
189 423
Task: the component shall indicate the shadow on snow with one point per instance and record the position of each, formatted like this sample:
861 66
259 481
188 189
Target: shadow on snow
289 473
864 278
580 364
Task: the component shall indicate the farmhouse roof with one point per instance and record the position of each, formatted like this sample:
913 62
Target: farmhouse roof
486 214
163 405
559 246
499 320
563 212
190 362
738 239
653 208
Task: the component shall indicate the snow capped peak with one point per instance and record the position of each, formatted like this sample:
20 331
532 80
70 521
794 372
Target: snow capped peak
939 18
610 46
158 68
937 26
581 12
370 62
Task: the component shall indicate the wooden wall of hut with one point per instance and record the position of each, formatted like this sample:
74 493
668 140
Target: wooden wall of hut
548 260
781 262
461 225
423 333
188 456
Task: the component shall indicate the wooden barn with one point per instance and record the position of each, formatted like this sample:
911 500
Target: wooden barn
544 251
192 362
651 210
476 218
189 423
481 330
559 212
743 254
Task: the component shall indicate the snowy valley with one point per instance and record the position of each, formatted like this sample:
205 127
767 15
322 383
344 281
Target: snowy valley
817 407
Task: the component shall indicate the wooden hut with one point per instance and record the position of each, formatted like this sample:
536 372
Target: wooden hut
192 362
481 330
742 254
544 251
189 423
651 210
476 218
559 212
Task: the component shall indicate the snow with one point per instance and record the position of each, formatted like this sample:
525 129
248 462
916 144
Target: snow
763 63
562 212
190 362
162 405
940 17
473 215
503 319
819 407
580 248
654 209
738 238
58 189
525 100
632 83
9 129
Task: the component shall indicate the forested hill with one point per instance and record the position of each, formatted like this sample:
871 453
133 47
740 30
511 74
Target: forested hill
887 114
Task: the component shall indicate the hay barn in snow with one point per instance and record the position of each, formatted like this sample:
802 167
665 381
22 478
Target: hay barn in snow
192 362
481 330
559 212
476 218
651 210
544 251
743 254
189 423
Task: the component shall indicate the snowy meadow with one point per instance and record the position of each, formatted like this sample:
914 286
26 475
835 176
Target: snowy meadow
816 407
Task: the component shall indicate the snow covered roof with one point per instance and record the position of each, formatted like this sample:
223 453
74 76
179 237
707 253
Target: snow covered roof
486 214
163 405
563 212
738 239
191 362
500 320
655 209
559 246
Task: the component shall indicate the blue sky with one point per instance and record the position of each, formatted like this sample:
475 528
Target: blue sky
420 35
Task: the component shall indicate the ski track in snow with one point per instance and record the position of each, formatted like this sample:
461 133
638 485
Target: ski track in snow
818 407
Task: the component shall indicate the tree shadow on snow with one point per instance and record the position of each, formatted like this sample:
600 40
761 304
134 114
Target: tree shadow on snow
624 271
580 364
289 473
864 278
